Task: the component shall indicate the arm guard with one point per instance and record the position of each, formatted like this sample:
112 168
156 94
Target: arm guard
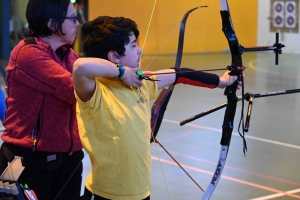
196 78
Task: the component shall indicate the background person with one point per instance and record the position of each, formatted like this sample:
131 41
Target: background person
40 119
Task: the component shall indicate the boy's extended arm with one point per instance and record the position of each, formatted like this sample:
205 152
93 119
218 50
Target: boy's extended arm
192 77
86 69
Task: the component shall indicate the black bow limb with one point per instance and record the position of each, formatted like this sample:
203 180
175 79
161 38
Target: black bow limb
160 105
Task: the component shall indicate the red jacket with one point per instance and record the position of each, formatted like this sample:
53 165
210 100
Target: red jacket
41 106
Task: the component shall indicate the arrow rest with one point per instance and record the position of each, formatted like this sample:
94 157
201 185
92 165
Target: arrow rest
235 71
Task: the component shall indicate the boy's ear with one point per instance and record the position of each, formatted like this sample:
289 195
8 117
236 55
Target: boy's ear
49 24
113 56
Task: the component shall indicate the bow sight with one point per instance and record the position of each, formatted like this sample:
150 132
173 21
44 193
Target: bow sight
277 48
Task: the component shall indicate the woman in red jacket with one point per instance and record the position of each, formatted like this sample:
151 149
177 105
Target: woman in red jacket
40 119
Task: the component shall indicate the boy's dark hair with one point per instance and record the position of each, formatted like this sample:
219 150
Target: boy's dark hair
39 12
105 34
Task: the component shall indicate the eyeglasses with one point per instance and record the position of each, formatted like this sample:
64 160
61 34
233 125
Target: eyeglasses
74 18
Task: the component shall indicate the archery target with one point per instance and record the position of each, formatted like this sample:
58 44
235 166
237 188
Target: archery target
278 10
284 16
290 11
278 7
278 21
290 7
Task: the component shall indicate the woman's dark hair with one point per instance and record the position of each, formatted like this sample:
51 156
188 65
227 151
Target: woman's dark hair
39 12
105 34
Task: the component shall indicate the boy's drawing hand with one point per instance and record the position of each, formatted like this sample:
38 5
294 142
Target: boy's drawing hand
131 78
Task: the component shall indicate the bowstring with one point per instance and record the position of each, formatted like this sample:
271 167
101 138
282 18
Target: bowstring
148 28
160 164
156 149
166 41
85 153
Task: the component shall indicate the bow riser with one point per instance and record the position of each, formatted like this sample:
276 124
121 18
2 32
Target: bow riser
230 91
229 114
235 48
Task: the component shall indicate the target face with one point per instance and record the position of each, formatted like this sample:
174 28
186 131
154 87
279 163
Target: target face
285 16
278 7
290 20
290 7
278 20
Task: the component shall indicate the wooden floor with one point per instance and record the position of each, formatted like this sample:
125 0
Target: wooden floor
271 167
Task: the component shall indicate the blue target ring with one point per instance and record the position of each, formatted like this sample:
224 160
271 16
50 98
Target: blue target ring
290 7
290 20
278 7
278 20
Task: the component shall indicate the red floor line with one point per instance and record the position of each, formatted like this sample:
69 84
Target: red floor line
179 136
236 169
229 178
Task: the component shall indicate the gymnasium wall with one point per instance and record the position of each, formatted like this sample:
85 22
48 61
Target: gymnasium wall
279 16
203 29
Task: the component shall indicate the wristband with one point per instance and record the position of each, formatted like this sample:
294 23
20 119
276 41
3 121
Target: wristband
121 70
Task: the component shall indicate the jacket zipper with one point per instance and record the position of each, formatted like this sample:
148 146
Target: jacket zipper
70 130
38 127
33 139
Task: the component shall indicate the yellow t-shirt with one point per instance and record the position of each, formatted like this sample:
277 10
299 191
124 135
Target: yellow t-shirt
115 131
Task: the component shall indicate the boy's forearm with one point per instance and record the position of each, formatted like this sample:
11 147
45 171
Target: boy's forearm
165 79
95 67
